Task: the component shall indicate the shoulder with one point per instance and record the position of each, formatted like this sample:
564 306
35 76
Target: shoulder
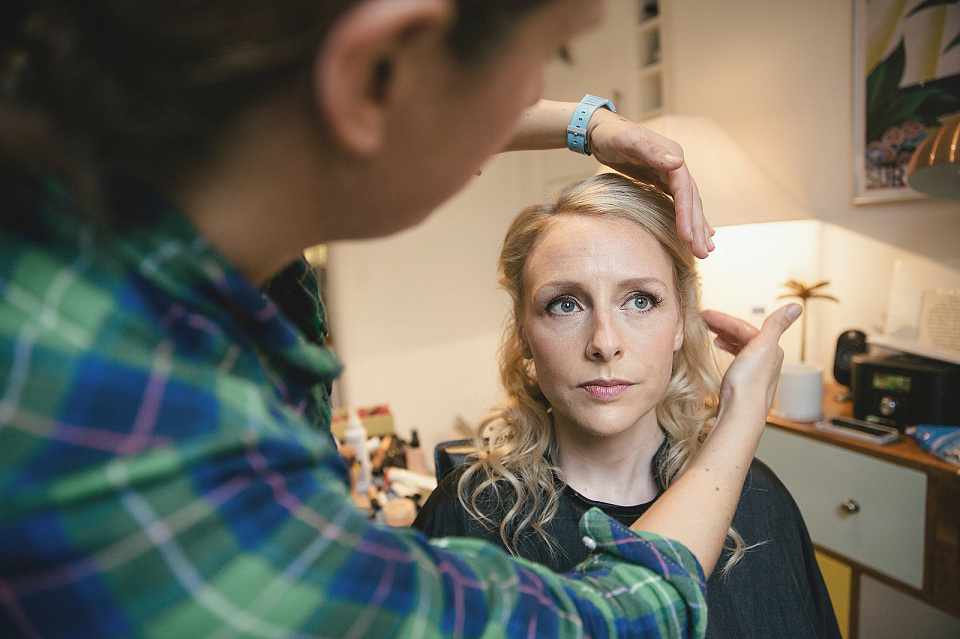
442 499
70 328
766 508
442 515
778 576
762 483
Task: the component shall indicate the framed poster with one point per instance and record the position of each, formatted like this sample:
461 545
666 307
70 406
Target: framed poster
906 78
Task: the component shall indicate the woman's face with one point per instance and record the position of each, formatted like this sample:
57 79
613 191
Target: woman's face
601 321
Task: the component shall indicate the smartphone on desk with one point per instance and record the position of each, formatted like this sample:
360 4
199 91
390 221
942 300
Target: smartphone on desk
876 434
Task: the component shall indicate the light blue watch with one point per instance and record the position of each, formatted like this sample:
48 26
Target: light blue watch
577 129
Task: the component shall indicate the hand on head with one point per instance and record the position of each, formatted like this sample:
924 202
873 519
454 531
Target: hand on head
757 352
645 155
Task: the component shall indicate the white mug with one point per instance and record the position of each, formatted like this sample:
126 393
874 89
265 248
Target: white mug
799 395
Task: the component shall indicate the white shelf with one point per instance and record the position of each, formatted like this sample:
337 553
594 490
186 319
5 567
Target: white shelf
911 347
655 68
651 74
642 13
649 24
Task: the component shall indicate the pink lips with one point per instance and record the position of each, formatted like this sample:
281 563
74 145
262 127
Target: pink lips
605 388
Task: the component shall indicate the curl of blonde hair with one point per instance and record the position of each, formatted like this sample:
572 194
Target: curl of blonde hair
516 441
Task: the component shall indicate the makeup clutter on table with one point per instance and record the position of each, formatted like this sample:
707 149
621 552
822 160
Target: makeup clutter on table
388 475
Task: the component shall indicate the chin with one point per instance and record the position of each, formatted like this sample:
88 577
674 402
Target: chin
609 421
604 428
612 431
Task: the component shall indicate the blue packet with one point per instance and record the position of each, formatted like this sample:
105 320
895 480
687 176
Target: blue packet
940 441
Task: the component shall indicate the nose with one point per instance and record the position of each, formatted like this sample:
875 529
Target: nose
604 343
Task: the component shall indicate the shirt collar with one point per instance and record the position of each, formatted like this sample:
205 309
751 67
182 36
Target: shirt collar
162 246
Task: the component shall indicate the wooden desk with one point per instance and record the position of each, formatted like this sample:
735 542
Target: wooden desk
803 456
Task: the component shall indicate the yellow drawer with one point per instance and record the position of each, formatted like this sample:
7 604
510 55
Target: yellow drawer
867 509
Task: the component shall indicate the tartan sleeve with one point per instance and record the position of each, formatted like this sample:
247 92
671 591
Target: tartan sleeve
681 605
256 535
158 483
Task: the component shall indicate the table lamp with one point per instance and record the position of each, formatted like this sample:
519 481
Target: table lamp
934 168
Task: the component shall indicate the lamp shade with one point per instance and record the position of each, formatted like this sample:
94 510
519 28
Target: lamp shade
934 168
734 187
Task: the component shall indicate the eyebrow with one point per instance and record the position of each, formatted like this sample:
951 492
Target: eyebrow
642 282
554 286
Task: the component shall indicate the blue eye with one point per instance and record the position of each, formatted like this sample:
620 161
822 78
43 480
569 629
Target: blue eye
644 301
563 306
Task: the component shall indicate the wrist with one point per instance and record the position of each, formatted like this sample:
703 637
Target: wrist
579 126
599 117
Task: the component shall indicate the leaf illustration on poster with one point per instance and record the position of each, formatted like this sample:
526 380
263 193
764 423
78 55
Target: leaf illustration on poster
906 79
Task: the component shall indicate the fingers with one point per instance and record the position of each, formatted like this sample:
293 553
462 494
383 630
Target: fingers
780 320
660 152
683 188
691 223
634 150
752 376
619 140
732 332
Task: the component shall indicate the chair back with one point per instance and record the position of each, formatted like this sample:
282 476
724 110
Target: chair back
450 454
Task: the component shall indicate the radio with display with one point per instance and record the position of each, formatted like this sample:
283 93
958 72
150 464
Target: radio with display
905 390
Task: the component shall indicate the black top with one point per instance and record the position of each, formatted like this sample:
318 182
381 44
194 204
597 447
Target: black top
775 591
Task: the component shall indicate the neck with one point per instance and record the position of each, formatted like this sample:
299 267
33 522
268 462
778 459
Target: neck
617 469
259 200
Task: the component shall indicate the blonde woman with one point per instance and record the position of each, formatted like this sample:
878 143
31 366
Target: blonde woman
611 388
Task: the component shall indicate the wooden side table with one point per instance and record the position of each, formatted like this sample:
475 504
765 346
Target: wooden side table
889 512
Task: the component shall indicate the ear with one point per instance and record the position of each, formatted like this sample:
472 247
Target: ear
357 69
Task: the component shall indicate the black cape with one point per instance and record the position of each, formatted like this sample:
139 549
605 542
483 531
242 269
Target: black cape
775 591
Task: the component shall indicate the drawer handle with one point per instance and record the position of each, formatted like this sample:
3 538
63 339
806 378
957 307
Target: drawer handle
850 507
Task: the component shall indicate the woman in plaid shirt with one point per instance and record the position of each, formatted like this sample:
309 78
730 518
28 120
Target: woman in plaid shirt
161 471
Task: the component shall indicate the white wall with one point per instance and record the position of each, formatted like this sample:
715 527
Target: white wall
417 317
778 77
744 277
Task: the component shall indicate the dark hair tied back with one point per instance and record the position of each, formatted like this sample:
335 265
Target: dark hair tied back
150 87
12 15
14 42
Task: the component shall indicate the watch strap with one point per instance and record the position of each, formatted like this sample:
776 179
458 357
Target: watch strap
577 129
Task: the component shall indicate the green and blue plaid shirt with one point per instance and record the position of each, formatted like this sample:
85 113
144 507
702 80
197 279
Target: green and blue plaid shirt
164 469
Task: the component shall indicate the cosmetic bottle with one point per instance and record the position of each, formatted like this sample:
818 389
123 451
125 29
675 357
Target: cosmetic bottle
356 436
415 461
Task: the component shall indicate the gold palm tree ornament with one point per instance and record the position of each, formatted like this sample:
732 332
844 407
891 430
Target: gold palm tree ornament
804 292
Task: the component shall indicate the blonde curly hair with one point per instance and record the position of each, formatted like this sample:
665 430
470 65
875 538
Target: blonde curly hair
516 441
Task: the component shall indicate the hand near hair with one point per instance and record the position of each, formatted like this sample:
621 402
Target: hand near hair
628 148
758 355
636 151
697 508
